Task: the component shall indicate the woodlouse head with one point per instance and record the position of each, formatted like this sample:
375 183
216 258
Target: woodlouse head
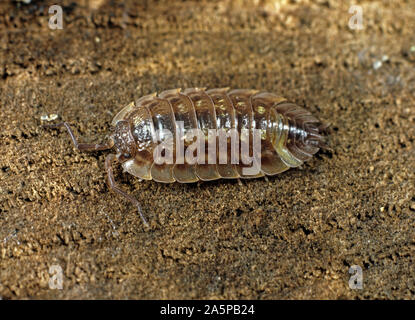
124 143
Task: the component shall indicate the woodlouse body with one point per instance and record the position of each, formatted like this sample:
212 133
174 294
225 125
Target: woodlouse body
289 134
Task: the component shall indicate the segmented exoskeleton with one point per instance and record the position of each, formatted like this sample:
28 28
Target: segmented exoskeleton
289 134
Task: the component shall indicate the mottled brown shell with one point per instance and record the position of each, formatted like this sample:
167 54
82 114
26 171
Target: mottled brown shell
289 133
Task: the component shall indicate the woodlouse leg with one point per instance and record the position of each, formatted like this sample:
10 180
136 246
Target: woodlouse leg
80 146
108 161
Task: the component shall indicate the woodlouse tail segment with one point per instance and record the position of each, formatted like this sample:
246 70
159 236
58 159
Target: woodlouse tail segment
112 184
83 147
324 128
315 139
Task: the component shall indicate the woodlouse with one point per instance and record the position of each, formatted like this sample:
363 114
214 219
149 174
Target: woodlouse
289 134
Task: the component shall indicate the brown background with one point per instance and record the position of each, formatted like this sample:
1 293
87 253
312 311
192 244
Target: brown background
292 237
